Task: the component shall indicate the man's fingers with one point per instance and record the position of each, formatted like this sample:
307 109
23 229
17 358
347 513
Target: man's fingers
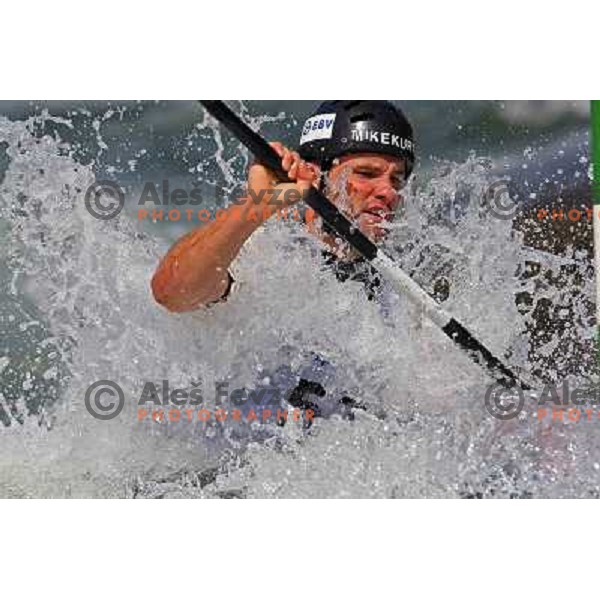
308 172
278 147
287 156
287 160
293 165
297 162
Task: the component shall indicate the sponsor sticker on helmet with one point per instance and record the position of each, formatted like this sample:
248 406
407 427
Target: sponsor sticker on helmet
319 127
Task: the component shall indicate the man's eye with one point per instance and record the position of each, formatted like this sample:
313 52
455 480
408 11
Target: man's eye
366 172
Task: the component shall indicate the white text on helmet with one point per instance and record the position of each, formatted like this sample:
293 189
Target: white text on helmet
384 138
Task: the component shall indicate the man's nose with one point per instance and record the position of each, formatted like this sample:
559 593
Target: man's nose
387 193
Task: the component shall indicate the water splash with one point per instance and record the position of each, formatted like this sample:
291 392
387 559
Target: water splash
77 306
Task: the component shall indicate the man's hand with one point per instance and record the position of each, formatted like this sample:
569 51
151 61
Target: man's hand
265 190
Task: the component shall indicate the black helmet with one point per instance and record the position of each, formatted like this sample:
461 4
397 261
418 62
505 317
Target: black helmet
340 127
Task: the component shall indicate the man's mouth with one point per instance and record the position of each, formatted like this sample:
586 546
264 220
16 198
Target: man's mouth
378 214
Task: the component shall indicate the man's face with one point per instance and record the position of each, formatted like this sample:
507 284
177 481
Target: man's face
366 187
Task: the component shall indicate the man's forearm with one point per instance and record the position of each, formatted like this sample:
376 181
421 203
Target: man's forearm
195 270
